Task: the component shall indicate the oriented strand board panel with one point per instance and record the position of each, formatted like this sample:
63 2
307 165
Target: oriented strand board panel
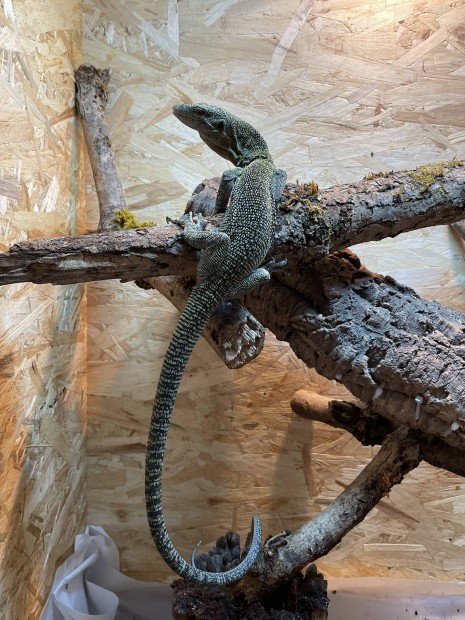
42 328
340 89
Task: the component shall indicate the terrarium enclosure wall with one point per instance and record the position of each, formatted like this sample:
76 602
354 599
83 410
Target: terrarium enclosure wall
42 328
340 89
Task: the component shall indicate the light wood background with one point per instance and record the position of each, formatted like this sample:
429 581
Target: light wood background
42 328
340 88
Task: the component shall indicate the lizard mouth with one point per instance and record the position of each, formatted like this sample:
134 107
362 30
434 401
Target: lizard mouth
180 110
188 115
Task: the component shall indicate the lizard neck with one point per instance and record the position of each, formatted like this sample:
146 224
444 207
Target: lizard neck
246 158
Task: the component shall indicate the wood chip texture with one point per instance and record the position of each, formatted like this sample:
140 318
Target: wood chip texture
42 328
340 90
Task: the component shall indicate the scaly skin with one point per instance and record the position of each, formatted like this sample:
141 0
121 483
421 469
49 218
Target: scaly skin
229 267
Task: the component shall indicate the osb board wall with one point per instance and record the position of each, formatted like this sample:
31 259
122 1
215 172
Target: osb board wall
42 328
340 88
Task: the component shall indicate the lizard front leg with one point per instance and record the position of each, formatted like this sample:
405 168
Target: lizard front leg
228 180
197 237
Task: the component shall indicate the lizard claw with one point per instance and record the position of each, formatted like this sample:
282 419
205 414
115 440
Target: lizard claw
273 542
177 221
272 264
278 539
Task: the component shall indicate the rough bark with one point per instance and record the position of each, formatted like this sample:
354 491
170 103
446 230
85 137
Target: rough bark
400 453
343 215
379 338
371 429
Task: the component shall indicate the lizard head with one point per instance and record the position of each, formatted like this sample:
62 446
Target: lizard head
226 134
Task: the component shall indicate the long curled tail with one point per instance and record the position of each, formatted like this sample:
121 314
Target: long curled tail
192 322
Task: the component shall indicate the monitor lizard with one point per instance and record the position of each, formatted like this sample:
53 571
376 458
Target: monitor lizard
229 267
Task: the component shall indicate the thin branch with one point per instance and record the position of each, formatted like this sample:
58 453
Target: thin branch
91 98
371 429
399 454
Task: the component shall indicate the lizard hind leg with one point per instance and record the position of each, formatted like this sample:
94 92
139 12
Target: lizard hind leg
256 278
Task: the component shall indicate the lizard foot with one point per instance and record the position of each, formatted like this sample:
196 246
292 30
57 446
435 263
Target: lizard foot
271 264
273 542
200 222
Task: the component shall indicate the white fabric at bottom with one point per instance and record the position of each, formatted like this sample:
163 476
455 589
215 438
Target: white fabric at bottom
90 586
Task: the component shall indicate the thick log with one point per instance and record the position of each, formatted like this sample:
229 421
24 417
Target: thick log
401 354
307 228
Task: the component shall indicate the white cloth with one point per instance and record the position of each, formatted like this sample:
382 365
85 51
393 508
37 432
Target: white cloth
90 586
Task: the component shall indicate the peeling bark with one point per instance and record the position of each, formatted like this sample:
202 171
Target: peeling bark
378 338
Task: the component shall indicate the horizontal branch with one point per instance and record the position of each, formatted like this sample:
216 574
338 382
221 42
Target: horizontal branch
371 429
307 228
311 225
123 254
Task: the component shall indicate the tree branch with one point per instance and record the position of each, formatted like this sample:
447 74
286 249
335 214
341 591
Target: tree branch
91 99
399 454
379 338
370 428
344 215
